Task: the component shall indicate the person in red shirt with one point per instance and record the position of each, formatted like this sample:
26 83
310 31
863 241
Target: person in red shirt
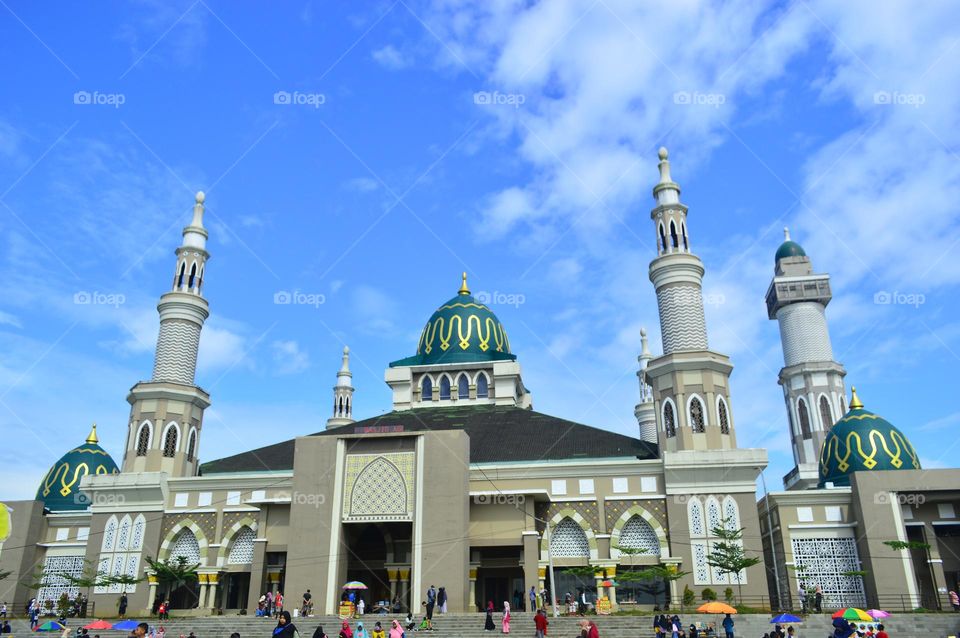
540 620
881 632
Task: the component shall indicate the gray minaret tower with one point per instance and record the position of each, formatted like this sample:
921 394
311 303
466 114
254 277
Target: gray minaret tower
812 381
645 411
342 395
166 413
690 383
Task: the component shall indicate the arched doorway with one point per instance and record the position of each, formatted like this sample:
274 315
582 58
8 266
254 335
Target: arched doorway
366 558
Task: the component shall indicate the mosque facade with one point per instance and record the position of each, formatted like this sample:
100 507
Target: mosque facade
462 484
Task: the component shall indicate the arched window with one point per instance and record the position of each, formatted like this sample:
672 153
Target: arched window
568 540
731 514
686 246
663 240
669 419
697 421
714 517
483 390
200 281
638 535
109 534
143 440
444 387
186 545
673 235
804 418
193 275
347 405
463 387
171 441
241 551
191 444
843 405
695 516
426 389
183 268
825 416
340 406
723 416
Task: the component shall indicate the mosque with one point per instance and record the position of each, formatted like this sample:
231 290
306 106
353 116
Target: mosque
462 484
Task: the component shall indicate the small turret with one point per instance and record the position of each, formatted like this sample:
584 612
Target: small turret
343 393
644 411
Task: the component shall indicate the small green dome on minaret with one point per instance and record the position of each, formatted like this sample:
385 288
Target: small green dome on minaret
789 248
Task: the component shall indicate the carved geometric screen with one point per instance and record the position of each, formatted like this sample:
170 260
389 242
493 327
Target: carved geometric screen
568 540
695 514
637 534
824 561
379 487
54 583
120 551
701 571
187 546
242 551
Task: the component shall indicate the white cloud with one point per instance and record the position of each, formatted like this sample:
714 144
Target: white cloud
390 57
362 184
289 358
7 319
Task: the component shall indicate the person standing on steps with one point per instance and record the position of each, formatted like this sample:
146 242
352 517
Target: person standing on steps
817 599
728 626
488 624
533 598
506 617
285 628
541 622
431 602
122 605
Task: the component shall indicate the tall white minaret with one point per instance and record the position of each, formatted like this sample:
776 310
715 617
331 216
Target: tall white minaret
342 394
166 413
690 383
645 412
812 380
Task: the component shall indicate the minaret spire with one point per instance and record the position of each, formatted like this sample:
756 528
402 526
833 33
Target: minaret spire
644 411
342 394
92 437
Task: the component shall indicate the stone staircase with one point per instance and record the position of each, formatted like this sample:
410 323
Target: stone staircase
471 626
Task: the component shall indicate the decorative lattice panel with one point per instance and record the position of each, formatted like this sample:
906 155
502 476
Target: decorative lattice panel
241 552
701 573
695 514
379 487
55 582
139 526
724 417
637 534
103 568
109 535
731 513
568 540
187 546
697 421
823 562
713 515
123 536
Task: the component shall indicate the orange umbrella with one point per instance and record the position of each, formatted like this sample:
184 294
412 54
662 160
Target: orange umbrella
714 607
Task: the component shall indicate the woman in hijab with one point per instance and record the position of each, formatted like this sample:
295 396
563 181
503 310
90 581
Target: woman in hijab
488 624
318 632
285 628
396 631
345 631
361 632
506 617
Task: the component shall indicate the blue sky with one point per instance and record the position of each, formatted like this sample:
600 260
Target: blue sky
384 178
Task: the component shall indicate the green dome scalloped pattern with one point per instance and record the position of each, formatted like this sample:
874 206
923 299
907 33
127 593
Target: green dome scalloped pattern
462 330
863 441
60 488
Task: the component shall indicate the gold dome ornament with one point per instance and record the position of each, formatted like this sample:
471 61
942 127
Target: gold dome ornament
855 403
92 437
463 286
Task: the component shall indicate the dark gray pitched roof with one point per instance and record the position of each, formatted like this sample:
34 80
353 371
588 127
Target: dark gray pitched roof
497 434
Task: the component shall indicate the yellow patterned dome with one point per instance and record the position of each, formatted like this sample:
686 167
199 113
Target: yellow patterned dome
60 488
863 441
462 330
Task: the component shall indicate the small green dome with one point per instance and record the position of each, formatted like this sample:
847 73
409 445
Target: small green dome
60 488
862 441
790 248
462 330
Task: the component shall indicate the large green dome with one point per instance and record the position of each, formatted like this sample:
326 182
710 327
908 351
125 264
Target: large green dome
862 441
790 248
462 330
60 488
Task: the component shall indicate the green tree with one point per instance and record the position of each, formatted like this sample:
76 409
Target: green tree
898 545
656 579
173 573
708 594
688 596
727 555
728 595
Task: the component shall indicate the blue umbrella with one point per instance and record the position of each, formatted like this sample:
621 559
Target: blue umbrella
50 625
126 625
783 618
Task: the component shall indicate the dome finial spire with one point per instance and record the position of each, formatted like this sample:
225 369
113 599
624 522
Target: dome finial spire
92 437
463 285
786 233
855 402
